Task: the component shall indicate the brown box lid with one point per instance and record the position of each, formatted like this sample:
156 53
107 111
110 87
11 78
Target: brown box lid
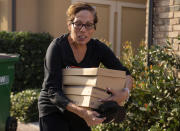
94 72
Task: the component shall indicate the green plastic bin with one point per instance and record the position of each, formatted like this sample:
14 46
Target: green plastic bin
7 62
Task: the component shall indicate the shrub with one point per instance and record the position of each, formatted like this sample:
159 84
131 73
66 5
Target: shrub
31 47
155 99
154 102
24 105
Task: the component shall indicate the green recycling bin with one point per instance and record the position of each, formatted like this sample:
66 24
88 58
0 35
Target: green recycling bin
7 62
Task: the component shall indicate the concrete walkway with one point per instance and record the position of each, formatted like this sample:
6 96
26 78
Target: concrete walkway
28 127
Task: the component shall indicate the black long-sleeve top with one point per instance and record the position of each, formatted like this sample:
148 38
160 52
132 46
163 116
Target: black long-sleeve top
59 55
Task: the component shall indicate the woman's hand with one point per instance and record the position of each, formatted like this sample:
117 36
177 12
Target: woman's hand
91 117
119 96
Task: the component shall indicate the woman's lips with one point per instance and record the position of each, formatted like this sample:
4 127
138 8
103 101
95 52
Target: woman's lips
82 37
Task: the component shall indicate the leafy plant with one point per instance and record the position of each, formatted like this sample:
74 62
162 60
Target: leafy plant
24 105
155 99
32 48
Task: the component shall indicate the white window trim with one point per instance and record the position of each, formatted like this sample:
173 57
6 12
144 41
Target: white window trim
115 6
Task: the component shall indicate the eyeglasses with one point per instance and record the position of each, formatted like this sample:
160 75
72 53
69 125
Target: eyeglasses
79 26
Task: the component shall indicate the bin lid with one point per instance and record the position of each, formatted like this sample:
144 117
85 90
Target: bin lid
4 57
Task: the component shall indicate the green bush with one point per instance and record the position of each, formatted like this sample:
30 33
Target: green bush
24 105
31 47
154 104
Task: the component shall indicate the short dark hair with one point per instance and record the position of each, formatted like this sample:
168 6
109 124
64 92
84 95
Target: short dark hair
77 7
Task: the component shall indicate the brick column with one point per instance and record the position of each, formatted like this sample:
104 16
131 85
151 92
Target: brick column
167 22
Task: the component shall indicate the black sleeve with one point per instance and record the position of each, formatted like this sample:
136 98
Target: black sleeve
53 76
109 59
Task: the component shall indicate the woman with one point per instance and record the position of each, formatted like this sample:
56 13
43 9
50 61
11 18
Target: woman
76 48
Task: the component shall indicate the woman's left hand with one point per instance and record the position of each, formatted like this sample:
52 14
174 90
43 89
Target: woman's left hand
119 96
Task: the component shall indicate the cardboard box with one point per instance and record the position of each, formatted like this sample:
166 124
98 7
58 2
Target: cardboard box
85 101
86 91
96 77
85 86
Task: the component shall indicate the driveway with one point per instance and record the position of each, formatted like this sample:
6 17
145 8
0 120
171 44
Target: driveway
28 127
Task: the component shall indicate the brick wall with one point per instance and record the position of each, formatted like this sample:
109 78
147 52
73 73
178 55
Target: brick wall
166 22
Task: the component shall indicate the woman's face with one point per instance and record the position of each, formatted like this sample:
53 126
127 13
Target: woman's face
82 28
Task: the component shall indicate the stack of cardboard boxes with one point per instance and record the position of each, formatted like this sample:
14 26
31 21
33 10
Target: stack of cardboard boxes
85 86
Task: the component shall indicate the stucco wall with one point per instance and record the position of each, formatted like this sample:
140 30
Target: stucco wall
42 16
53 16
27 15
5 15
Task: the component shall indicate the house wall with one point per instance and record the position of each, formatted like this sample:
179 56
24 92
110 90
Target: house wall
27 15
167 22
119 20
5 15
42 16
52 16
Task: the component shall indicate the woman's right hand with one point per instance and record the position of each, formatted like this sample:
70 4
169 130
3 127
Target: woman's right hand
91 117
